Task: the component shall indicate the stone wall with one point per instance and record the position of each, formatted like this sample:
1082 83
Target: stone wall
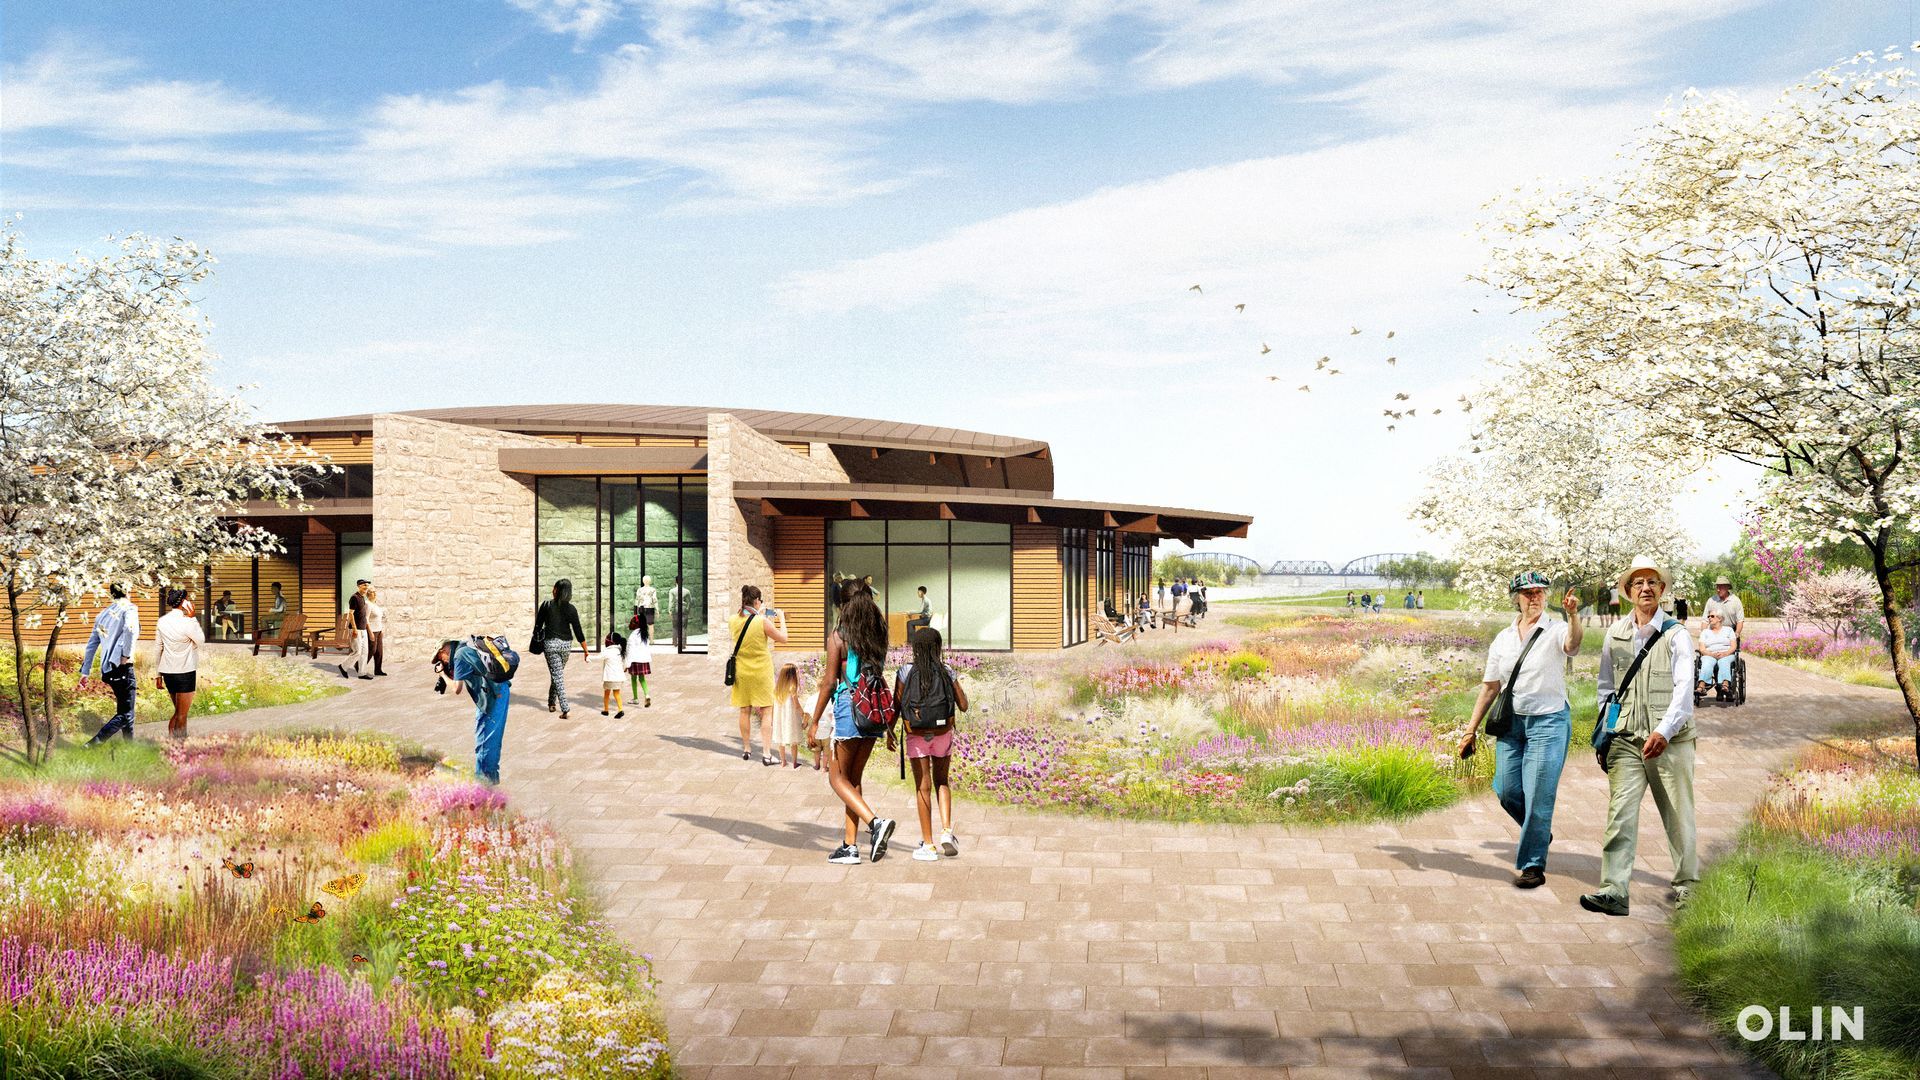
740 539
452 535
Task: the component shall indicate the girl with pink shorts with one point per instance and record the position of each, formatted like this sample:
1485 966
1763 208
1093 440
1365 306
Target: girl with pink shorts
930 700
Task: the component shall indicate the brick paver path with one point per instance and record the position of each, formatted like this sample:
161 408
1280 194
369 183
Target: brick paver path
1058 946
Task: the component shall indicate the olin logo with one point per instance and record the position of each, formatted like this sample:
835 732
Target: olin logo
1756 1023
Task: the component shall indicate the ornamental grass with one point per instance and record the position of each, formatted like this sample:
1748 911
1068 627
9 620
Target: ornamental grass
307 906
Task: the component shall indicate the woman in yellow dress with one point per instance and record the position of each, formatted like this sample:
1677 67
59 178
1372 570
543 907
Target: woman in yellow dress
751 631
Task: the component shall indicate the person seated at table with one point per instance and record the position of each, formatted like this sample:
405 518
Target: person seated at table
225 615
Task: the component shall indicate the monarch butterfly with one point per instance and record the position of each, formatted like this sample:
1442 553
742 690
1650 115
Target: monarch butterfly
345 887
314 914
240 870
358 959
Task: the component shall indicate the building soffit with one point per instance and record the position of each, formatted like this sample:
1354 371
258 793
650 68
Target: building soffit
1000 505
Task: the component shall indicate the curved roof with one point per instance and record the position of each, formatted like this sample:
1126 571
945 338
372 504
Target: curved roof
692 420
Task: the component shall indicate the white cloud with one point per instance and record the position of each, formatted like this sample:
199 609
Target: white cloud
580 18
102 97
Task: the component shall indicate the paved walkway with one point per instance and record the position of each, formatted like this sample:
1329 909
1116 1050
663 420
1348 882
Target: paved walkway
1059 947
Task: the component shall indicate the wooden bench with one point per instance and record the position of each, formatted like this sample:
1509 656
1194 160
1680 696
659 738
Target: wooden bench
339 637
291 635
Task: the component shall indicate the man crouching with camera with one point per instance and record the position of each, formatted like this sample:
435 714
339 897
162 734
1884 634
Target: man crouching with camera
484 667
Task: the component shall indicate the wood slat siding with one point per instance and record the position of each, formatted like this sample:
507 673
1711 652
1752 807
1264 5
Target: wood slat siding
342 450
1093 578
319 574
1036 587
800 579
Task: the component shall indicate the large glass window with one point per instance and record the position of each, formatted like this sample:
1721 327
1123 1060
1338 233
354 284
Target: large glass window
1136 569
1073 586
604 533
966 568
1103 567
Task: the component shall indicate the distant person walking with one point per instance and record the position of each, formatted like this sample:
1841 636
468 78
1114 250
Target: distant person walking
115 630
930 700
376 631
856 652
751 629
357 623
556 627
677 611
181 640
639 659
1160 594
476 674
1179 590
1351 602
613 674
789 720
648 601
1526 673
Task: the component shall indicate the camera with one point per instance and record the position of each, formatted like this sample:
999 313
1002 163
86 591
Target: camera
440 684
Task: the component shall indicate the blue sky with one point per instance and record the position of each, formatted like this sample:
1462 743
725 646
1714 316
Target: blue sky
982 213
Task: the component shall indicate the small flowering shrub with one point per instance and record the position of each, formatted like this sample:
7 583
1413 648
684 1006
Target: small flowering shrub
148 921
568 1025
230 680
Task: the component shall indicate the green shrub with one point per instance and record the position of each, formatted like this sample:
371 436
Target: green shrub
32 1049
1776 925
1398 781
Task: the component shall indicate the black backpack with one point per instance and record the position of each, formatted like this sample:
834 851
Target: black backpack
927 701
496 656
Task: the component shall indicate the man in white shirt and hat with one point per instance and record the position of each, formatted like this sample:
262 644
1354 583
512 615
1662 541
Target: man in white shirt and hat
1646 670
1733 614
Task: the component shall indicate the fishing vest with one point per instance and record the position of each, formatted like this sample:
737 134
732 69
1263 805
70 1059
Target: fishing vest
1646 701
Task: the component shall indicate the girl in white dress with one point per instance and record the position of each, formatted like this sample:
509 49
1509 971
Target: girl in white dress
789 723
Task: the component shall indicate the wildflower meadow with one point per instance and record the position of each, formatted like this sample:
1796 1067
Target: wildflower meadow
300 905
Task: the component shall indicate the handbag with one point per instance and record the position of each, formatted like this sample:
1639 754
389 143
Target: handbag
1500 713
736 647
538 645
1604 724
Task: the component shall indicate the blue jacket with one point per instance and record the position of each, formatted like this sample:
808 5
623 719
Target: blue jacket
114 632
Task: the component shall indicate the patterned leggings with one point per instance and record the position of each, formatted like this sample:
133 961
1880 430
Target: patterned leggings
557 652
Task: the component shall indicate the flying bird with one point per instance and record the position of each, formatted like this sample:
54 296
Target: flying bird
1322 362
1436 412
1353 331
1389 333
1393 360
1389 427
1306 388
1273 378
1333 371
1241 308
1401 397
1196 288
1265 348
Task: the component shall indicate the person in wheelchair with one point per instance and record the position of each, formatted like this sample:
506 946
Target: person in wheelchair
1719 649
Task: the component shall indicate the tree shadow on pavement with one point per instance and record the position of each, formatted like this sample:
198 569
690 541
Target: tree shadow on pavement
794 835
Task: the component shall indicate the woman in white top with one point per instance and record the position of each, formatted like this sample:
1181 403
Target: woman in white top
647 600
376 631
1716 655
1528 758
180 639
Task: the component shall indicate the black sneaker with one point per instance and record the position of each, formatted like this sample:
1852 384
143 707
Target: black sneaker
1604 903
343 671
845 853
880 831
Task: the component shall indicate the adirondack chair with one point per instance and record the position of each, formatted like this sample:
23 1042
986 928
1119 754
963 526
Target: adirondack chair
340 637
292 633
1105 632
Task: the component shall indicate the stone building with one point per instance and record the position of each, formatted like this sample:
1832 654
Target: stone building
463 518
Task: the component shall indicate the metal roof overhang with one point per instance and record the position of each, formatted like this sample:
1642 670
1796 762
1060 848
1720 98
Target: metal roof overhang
263 508
563 460
899 501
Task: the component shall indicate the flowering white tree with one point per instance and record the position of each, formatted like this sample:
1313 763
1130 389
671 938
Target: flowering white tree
1832 601
1545 483
119 459
1749 282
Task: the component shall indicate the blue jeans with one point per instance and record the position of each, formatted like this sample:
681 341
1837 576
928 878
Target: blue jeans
489 731
1526 777
120 680
1721 664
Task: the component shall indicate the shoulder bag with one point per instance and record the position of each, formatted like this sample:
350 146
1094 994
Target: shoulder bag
1500 713
539 643
1609 718
736 647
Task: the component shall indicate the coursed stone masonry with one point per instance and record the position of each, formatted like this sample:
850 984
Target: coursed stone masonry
740 538
452 534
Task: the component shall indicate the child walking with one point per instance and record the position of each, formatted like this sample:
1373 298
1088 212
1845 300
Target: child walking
788 722
613 673
639 666
930 700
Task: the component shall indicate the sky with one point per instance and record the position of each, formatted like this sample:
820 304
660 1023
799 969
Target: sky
985 214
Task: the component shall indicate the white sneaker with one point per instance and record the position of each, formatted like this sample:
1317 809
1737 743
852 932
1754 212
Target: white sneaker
949 844
845 854
925 853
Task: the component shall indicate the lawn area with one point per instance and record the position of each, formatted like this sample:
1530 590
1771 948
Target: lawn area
1817 906
1848 659
299 905
1292 717
231 680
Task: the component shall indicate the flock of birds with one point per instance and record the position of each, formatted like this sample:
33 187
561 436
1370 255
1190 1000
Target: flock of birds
1324 365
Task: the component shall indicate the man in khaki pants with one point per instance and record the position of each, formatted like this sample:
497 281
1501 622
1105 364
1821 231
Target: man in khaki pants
1652 746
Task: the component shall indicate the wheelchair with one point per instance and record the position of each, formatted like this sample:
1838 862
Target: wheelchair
1736 694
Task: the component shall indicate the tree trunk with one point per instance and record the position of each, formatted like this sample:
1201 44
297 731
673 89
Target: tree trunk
1897 641
19 667
46 686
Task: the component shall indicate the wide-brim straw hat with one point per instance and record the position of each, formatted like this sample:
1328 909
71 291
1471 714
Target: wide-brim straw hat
1645 563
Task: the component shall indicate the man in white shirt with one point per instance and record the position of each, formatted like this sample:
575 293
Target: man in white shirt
1652 737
